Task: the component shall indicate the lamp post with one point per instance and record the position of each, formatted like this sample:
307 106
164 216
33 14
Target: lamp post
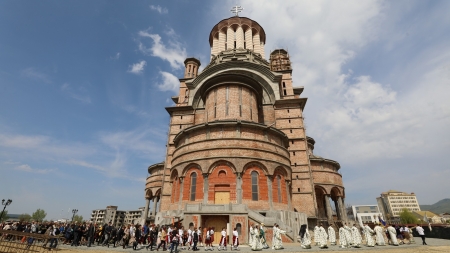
74 211
5 203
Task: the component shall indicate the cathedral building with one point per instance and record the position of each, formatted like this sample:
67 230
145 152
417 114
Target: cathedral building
237 150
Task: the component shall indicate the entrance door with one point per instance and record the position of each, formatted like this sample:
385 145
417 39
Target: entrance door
221 197
218 222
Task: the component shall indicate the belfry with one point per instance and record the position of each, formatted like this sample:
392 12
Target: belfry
237 149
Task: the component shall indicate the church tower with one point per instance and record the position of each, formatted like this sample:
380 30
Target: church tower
237 150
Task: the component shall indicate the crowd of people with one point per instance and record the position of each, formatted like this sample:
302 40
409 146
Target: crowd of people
172 238
352 237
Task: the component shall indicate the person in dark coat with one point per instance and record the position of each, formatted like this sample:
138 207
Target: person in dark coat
195 239
90 234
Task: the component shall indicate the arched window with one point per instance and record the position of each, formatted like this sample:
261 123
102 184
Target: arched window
254 185
279 188
193 185
238 228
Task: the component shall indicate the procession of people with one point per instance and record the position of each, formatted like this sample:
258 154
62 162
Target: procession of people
173 238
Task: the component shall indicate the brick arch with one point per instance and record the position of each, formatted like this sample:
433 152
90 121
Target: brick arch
148 194
219 163
217 181
280 170
320 193
256 164
158 193
188 167
263 189
335 192
187 186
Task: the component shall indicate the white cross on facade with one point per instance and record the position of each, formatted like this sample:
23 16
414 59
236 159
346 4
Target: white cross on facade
236 9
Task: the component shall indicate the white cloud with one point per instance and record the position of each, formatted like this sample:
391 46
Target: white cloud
23 141
381 119
173 51
161 10
79 94
115 57
34 74
27 168
169 82
137 68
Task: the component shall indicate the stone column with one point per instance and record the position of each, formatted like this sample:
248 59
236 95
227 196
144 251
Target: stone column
205 188
338 210
256 43
288 194
147 203
215 46
341 208
181 192
239 37
230 38
154 206
269 185
328 208
222 41
239 187
248 39
344 210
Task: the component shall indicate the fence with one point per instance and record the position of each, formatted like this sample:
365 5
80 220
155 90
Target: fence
20 242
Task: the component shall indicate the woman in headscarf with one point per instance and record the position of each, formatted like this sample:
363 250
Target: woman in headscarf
305 238
278 244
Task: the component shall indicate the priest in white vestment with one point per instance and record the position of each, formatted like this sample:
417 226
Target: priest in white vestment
368 232
256 242
316 235
392 235
357 239
348 235
278 243
332 235
379 238
323 237
343 238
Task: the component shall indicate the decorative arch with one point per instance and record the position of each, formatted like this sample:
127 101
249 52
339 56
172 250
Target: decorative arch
222 183
249 74
218 163
188 167
148 194
255 164
280 170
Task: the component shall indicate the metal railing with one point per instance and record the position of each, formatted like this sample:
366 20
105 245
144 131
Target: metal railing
21 242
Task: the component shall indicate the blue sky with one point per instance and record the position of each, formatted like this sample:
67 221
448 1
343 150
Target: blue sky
83 86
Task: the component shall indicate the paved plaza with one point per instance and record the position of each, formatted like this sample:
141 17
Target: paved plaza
434 245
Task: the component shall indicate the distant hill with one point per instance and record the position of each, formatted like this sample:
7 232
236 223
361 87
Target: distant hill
442 206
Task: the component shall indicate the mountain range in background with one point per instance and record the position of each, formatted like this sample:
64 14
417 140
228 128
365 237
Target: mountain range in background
442 206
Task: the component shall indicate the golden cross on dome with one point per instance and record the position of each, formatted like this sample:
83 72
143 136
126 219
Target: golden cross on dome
236 9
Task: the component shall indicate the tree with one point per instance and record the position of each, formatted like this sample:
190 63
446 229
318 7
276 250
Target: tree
39 215
406 217
25 217
78 218
4 216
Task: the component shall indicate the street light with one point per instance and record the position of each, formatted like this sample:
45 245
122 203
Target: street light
74 211
5 203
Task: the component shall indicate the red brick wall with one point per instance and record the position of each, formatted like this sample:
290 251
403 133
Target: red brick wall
187 185
225 181
263 189
235 219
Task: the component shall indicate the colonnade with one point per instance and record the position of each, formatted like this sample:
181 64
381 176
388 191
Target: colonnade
155 200
234 38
